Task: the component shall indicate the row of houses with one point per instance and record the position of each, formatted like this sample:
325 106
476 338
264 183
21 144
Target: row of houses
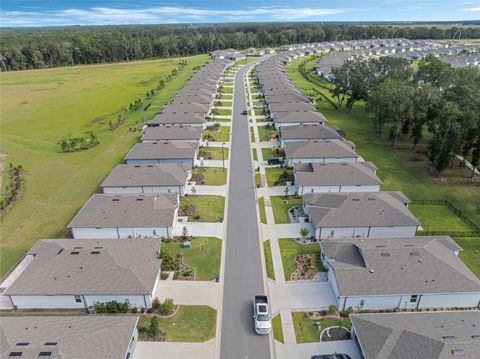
114 253
369 247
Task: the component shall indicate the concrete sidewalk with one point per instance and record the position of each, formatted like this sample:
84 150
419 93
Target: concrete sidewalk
287 326
277 261
165 350
186 292
207 190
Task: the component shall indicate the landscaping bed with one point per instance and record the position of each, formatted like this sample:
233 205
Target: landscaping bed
202 208
293 255
209 176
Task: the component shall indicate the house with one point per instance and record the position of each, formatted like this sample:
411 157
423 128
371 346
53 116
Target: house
126 216
289 118
195 119
399 273
77 273
75 337
319 151
432 335
307 132
336 177
162 152
363 214
147 178
175 133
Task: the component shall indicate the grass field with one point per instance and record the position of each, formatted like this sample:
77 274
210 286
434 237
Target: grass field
254 154
222 135
189 324
209 208
40 107
266 133
281 206
203 256
266 154
277 328
289 249
273 173
213 153
268 259
222 111
306 329
211 176
438 218
261 206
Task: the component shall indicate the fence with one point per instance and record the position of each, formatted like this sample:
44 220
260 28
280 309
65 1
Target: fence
458 213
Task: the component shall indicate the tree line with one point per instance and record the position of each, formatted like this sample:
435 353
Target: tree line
436 97
37 48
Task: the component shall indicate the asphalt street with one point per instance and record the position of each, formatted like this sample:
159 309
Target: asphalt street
243 267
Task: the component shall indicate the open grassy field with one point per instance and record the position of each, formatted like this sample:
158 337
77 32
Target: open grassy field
203 256
189 324
438 217
40 107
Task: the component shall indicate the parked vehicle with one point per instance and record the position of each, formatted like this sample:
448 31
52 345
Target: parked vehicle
245 112
275 161
331 356
261 314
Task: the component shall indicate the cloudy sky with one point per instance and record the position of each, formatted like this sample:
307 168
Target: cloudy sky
14 13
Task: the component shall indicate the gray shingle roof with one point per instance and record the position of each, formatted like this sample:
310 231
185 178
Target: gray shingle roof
172 133
127 210
161 174
418 335
101 267
178 118
78 337
309 132
326 174
161 150
298 116
392 266
319 149
368 209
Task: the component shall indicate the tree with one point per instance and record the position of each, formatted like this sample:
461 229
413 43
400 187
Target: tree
167 307
304 232
154 327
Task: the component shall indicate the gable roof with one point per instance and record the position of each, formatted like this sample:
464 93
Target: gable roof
90 267
158 174
298 116
308 132
393 266
127 210
319 149
367 209
172 133
161 150
432 335
343 173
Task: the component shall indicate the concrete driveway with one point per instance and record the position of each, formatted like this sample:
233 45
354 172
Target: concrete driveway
164 350
291 230
200 229
305 351
301 296
186 292
201 190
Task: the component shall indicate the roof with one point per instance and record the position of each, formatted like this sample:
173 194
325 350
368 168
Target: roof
298 116
172 133
432 335
392 266
308 132
179 118
74 337
367 209
127 210
344 173
90 267
161 150
158 174
319 149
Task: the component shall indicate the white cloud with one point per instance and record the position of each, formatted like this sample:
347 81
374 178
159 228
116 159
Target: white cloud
472 9
161 14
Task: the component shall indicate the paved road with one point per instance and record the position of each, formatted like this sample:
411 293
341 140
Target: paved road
243 266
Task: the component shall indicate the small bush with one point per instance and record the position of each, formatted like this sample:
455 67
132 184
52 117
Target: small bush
156 304
149 311
344 313
112 307
167 307
332 309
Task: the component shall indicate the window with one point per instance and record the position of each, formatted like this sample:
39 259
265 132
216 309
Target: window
78 299
413 298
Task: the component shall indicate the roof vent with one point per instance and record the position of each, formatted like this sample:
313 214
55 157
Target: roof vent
74 252
371 270
458 352
22 344
15 354
385 254
447 337
115 199
137 166
414 253
356 199
94 252
45 354
51 343
139 199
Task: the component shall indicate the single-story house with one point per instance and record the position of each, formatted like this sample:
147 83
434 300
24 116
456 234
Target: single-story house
78 273
307 132
162 152
184 118
147 178
362 214
432 335
336 177
319 151
282 119
399 273
175 133
126 216
75 337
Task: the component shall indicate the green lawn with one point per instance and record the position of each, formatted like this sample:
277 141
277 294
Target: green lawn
306 330
252 135
267 133
335 322
259 111
189 324
261 206
223 104
471 252
289 249
222 135
438 218
210 176
203 256
268 259
266 154
258 180
281 206
224 96
40 107
227 90
208 208
277 328
274 174
222 111
254 154
213 153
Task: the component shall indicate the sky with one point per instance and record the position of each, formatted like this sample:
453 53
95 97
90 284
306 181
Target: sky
27 13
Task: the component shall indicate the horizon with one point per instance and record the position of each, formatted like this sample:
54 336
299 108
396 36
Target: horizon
33 13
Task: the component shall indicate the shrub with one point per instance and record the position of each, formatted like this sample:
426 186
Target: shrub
156 304
154 327
332 309
344 313
149 311
134 310
112 307
167 307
